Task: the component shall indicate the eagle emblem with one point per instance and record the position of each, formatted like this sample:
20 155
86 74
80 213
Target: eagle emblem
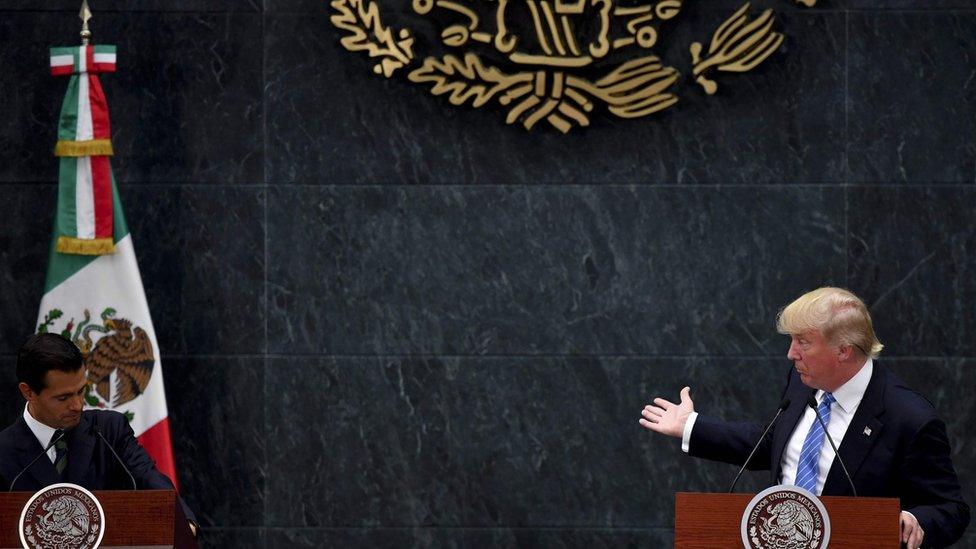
555 62
62 516
789 525
785 517
113 346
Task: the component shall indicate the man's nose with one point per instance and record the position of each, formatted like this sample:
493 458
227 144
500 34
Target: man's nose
792 354
77 403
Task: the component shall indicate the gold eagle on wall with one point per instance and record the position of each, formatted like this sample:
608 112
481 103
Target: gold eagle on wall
555 61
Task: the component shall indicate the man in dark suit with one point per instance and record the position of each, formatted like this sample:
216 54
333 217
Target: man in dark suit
892 441
52 380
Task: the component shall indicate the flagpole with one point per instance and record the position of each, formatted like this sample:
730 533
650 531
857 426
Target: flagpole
93 292
85 15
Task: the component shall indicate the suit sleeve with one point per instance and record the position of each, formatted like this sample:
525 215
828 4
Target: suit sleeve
932 489
731 442
142 467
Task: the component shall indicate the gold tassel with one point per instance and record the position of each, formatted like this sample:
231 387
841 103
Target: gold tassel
94 147
80 246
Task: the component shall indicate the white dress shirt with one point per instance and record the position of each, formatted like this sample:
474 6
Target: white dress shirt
848 396
43 433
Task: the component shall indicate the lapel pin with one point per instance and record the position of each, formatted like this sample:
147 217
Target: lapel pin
867 431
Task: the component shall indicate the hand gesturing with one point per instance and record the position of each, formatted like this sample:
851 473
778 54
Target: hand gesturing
667 417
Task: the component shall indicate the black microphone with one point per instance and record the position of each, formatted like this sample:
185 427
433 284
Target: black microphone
812 402
783 404
110 449
33 461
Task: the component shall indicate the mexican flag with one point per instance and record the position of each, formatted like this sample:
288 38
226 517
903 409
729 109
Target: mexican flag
93 292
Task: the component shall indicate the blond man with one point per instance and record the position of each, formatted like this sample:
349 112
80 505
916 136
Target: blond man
889 436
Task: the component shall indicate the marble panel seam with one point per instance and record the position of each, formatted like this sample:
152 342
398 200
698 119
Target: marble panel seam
255 9
926 11
893 185
265 184
847 176
272 356
530 528
455 356
136 184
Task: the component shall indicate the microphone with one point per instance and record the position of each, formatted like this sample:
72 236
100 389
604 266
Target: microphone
33 461
812 402
783 404
117 458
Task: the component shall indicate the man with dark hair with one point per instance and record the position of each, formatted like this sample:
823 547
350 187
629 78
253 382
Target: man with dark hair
52 379
49 361
44 352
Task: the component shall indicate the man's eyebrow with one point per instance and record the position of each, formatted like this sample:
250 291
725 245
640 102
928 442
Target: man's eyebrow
69 393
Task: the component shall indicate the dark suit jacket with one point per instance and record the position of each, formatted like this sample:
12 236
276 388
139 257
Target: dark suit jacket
905 456
90 463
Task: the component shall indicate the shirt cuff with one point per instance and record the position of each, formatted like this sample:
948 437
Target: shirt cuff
686 434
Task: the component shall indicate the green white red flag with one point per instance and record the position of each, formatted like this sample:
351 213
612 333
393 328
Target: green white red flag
93 291
84 146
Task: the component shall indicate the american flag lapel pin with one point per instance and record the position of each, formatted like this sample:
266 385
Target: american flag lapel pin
867 431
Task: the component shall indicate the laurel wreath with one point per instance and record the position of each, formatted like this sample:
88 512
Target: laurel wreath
633 89
467 79
361 20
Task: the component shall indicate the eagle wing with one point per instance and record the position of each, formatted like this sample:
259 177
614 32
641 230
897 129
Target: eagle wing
135 369
133 361
100 363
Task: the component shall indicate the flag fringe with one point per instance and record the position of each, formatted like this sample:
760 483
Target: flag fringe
80 246
93 147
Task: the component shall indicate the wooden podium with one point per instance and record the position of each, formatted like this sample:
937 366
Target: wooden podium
144 518
713 520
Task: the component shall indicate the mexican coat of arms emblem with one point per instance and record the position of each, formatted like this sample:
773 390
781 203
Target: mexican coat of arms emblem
554 62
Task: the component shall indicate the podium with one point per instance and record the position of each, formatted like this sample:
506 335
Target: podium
144 518
713 520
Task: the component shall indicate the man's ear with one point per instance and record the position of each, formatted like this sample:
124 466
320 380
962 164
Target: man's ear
844 352
26 391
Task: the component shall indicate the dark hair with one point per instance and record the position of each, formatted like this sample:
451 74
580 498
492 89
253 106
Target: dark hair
42 353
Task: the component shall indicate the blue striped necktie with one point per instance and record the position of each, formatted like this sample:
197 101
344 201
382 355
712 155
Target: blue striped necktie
807 470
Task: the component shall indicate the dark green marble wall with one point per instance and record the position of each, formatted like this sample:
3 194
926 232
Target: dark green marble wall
388 322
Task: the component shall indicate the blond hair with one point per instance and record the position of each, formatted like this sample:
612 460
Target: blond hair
840 316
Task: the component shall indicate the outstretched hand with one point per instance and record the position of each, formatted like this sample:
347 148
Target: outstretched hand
667 417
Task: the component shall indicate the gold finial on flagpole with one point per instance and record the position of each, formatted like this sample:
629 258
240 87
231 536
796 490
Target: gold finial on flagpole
85 15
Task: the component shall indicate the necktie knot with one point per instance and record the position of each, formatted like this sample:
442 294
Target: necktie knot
828 399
